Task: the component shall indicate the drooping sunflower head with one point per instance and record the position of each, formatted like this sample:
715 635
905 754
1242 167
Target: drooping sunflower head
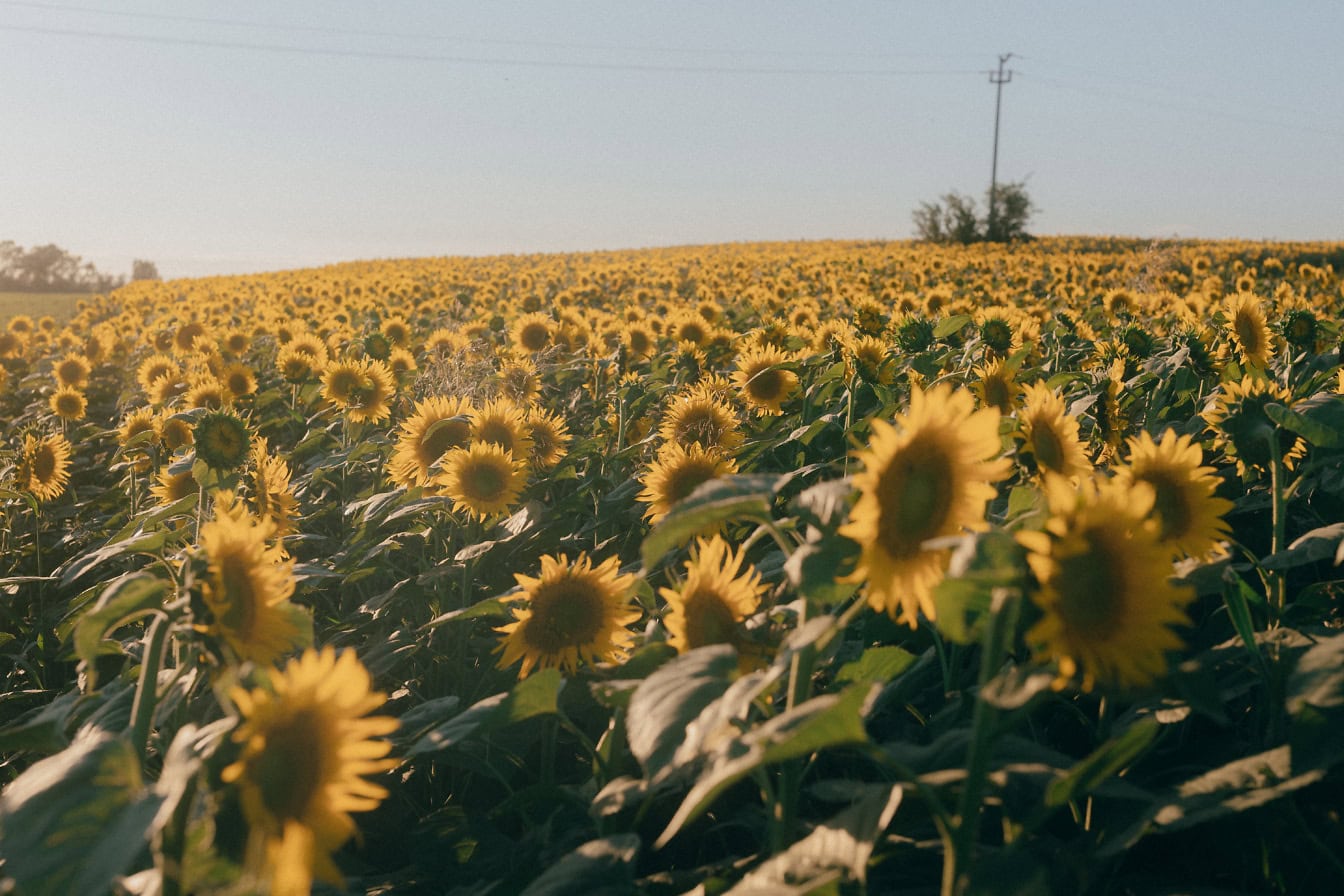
550 438
870 358
307 743
927 477
72 370
997 334
915 333
1103 586
574 613
692 418
1188 514
247 586
676 472
271 492
1244 429
482 479
763 379
68 403
438 425
222 440
709 605
996 386
1247 329
1300 329
1049 435
44 466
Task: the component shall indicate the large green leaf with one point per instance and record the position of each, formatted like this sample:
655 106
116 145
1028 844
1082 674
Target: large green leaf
602 867
828 721
1103 762
671 698
1318 419
711 504
841 845
76 821
1318 679
535 695
123 601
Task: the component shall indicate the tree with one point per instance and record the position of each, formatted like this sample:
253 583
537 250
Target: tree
954 219
144 270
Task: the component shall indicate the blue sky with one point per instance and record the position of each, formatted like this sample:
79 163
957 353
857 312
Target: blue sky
217 137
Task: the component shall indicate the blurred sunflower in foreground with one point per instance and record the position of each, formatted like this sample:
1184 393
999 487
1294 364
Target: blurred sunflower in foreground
574 613
1103 584
927 477
307 743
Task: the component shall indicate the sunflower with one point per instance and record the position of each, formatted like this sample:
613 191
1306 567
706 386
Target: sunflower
44 466
763 380
997 333
481 479
996 386
870 358
164 389
1244 429
271 492
1247 328
1103 584
1049 435
402 364
176 430
247 585
676 472
206 392
709 605
12 345
502 422
532 332
307 742
1300 329
155 368
517 381
221 440
170 487
296 366
575 613
141 420
72 370
238 380
693 418
361 387
438 425
397 331
191 336
69 403
928 477
639 340
1189 516
235 341
550 438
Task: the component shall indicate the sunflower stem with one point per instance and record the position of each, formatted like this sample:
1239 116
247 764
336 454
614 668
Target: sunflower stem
146 690
1002 623
1279 595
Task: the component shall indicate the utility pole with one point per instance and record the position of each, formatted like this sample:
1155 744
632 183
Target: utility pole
998 79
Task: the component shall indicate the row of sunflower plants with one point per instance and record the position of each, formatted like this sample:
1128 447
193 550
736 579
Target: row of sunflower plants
809 568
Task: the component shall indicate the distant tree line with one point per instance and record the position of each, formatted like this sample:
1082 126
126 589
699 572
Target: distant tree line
50 268
957 220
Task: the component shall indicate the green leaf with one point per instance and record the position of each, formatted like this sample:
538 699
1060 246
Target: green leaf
76 821
491 606
535 695
1318 419
124 600
602 867
666 702
877 665
1105 761
1318 544
949 325
825 504
815 568
840 845
830 720
1238 597
1240 785
712 503
1318 679
143 543
41 730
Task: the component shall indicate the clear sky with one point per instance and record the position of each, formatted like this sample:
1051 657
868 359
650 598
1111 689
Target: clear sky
225 137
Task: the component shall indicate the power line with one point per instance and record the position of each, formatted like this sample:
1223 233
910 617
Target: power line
1186 107
998 79
476 60
406 35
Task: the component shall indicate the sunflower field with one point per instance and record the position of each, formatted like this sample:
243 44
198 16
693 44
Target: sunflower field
809 568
